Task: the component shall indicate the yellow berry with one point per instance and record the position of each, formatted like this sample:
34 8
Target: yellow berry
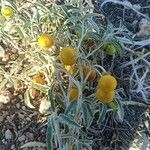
105 97
107 83
7 11
74 93
38 79
86 71
68 56
45 41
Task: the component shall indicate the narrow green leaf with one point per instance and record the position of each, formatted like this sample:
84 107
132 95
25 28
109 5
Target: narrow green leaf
17 63
68 121
70 107
42 58
42 88
51 98
27 99
102 113
2 84
79 146
49 136
60 102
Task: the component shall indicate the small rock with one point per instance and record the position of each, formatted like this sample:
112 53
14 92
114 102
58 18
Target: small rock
2 51
22 138
1 118
5 97
3 141
20 96
1 78
9 85
23 108
30 136
18 105
8 135
1 105
13 147
144 26
44 106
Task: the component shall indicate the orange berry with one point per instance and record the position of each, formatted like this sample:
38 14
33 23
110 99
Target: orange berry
45 41
68 56
74 93
105 97
38 79
92 73
107 83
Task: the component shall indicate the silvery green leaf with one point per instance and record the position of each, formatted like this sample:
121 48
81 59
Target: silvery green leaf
49 136
27 99
70 107
2 84
51 98
102 113
68 121
42 88
120 113
17 64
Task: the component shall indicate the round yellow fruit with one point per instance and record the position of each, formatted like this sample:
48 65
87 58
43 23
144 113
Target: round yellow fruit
38 79
68 56
92 73
105 97
107 83
45 41
7 11
74 93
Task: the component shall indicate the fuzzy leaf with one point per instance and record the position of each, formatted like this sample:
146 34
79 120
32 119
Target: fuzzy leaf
114 105
27 99
51 98
17 63
33 145
40 87
70 107
102 113
49 136
68 121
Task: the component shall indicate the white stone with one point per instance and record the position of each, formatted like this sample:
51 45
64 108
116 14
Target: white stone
22 138
8 135
44 106
4 99
2 51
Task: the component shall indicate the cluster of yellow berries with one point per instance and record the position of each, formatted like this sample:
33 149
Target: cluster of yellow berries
106 88
68 57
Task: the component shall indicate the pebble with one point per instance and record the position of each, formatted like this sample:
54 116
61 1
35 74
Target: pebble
9 85
4 99
8 135
18 105
22 138
1 105
1 78
13 147
23 108
30 136
1 118
2 51
20 96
